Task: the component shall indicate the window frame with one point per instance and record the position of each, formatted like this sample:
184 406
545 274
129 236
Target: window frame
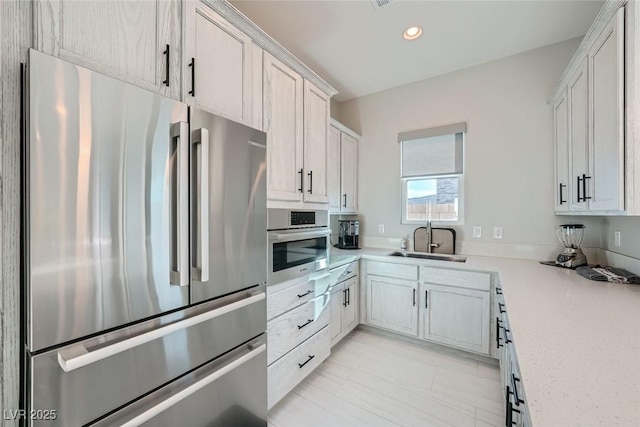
450 129
403 201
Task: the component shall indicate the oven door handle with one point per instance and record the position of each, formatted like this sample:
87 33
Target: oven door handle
281 237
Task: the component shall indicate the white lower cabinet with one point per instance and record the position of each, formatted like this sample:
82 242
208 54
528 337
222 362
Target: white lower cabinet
392 304
284 374
456 316
344 297
298 333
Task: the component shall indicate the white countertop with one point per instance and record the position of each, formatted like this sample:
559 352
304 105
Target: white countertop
577 341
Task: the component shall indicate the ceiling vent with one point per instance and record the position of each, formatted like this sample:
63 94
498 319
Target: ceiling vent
379 4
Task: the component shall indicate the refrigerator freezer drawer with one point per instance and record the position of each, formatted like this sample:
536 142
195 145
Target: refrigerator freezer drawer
289 330
86 380
230 391
292 368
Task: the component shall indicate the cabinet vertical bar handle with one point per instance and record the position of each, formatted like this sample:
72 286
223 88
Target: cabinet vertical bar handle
348 296
561 198
498 291
345 200
584 187
168 63
498 345
310 175
414 297
201 141
501 307
192 92
344 293
426 299
301 172
578 189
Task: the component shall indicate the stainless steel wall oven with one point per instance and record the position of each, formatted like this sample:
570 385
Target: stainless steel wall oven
298 243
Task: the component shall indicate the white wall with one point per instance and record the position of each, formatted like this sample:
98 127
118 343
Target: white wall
508 152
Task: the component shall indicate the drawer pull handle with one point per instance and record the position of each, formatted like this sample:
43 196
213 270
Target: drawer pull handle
501 307
305 294
307 361
498 291
302 326
516 396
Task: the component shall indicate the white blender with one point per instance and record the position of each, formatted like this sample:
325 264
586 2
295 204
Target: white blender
570 235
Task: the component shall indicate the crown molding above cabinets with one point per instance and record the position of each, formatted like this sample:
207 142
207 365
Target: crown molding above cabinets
596 108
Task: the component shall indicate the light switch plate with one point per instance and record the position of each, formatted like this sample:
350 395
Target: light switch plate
616 238
497 232
477 231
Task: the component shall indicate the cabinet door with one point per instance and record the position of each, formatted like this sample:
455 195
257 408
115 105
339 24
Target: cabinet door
125 40
456 316
283 124
222 57
333 170
561 136
336 304
606 145
578 132
392 304
349 316
316 134
349 174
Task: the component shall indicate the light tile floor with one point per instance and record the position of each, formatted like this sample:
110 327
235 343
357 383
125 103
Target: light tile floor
375 380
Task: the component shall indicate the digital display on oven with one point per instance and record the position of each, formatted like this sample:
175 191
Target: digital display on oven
303 218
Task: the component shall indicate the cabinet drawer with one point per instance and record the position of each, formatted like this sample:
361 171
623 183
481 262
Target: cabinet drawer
344 272
284 374
396 271
287 331
463 279
280 299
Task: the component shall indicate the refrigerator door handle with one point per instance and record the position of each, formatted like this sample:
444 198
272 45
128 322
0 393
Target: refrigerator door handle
155 410
179 207
201 270
77 356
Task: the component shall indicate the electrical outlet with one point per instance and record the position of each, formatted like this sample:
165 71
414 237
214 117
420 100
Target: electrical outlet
616 238
497 232
381 228
477 231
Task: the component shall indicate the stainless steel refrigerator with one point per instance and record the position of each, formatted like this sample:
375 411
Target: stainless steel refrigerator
144 257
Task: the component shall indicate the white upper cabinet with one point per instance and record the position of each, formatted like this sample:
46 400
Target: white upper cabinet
606 142
342 169
348 174
561 124
217 64
578 130
316 133
125 40
283 103
296 119
333 169
592 92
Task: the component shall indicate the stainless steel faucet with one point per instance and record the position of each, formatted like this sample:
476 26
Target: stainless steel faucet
430 244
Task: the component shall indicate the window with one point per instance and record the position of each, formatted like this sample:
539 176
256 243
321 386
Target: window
432 174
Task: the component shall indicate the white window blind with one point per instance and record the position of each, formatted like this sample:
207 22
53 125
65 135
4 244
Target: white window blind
433 152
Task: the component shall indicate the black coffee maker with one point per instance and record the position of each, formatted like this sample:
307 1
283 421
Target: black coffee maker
349 231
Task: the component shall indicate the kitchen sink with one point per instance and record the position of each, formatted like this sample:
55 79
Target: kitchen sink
436 257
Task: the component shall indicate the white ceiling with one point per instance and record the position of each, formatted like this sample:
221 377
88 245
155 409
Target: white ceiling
360 50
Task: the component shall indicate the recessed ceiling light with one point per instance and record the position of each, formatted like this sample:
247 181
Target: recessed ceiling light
412 33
